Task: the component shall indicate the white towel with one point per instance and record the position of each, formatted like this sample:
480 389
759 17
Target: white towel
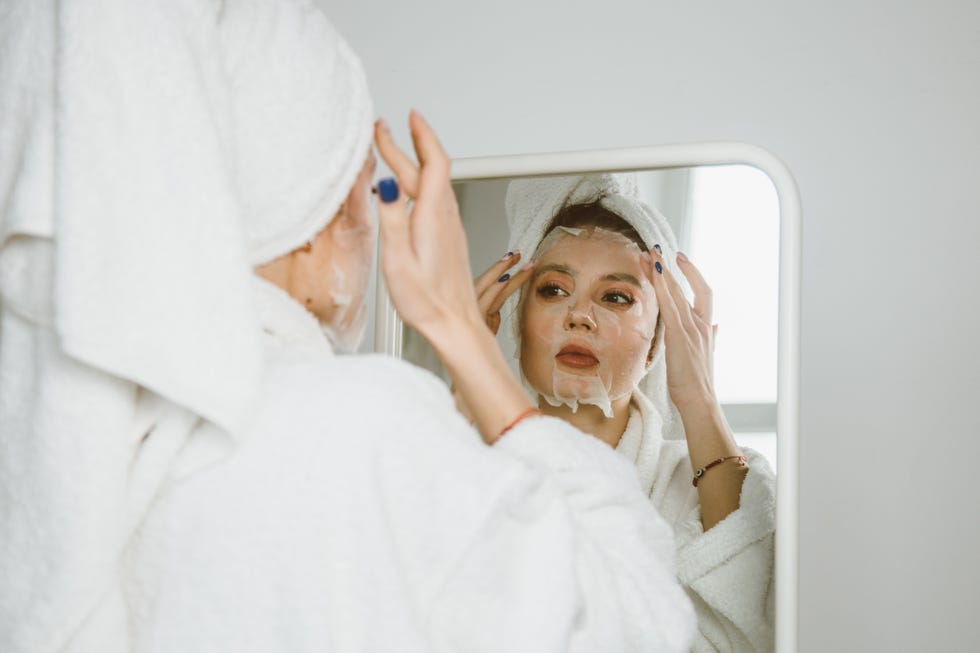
189 141
532 204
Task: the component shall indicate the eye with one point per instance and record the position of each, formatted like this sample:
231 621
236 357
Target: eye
618 297
551 290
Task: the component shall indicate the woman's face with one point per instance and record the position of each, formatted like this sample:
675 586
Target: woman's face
337 267
588 318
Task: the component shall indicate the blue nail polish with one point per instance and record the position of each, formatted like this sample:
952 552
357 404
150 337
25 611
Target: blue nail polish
504 278
388 190
657 247
659 267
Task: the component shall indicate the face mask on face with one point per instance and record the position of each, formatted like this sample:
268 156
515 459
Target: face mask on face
348 320
582 333
348 337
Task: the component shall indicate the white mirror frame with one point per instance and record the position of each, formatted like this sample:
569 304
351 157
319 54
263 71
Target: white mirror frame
388 329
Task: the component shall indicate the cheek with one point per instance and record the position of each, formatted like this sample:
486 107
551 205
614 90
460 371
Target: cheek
539 332
629 342
542 323
355 252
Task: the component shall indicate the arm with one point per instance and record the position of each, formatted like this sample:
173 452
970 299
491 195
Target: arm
709 438
426 266
726 561
688 348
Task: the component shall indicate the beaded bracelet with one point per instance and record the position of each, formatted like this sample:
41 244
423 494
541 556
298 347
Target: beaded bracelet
524 415
698 474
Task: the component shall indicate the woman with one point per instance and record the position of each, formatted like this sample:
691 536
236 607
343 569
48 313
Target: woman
186 464
608 342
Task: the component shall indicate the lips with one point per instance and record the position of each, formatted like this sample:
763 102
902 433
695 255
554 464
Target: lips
577 356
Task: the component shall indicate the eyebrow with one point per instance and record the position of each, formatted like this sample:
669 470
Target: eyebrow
564 269
622 276
554 267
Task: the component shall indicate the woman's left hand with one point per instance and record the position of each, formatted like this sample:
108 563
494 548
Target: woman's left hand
689 347
689 334
426 268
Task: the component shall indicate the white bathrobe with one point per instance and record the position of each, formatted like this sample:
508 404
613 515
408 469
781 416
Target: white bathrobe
362 513
728 570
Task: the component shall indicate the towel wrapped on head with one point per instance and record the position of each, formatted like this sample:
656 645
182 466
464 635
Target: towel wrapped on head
531 206
151 154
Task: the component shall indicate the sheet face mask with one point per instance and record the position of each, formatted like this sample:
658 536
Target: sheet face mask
348 291
589 325
346 335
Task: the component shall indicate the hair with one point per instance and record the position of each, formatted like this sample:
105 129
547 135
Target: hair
593 214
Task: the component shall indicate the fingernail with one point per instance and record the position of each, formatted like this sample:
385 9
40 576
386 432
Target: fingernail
681 257
383 124
506 256
657 247
374 190
659 267
388 190
504 278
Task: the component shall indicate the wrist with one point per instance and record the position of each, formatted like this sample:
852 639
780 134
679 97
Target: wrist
699 407
704 419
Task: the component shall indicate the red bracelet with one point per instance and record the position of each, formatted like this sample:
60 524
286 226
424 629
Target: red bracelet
527 413
698 474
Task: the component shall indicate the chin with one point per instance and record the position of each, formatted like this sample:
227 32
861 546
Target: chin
533 384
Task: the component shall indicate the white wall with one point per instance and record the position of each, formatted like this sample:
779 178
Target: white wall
875 107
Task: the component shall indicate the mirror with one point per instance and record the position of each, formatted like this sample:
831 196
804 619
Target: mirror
734 210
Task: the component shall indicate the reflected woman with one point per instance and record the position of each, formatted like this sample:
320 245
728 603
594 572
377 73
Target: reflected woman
608 341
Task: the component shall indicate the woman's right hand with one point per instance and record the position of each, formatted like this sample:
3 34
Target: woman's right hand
494 286
426 267
424 254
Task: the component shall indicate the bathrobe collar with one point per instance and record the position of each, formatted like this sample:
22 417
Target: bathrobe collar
642 439
286 321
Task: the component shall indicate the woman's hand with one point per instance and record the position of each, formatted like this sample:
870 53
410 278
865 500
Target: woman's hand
688 333
689 348
427 271
424 254
494 286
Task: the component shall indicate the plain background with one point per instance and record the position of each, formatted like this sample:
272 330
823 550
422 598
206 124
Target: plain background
875 108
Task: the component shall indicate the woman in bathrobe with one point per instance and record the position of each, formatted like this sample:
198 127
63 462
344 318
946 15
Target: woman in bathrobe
603 326
187 463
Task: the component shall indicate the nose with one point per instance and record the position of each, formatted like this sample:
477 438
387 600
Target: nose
580 318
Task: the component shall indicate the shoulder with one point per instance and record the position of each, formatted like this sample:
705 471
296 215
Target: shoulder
366 403
375 380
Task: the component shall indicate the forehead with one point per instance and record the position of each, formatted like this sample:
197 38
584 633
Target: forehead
588 248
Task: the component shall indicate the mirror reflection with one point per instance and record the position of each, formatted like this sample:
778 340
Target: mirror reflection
726 218
567 269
